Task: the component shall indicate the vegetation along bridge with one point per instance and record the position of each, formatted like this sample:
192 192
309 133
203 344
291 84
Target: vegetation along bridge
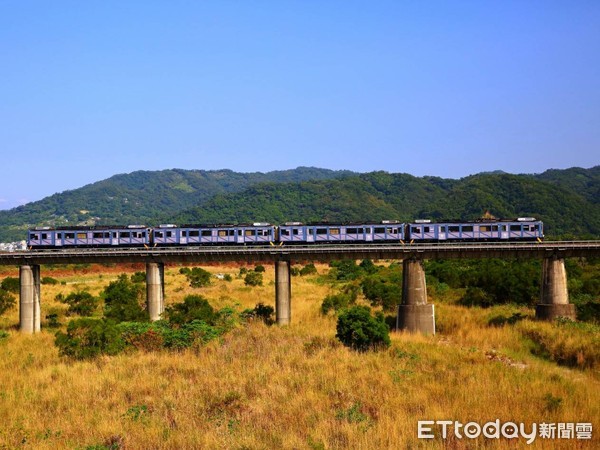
414 313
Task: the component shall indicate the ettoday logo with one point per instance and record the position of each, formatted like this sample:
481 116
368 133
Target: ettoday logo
430 429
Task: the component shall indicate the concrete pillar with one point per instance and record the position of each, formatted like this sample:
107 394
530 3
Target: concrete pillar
554 297
29 299
283 295
155 290
415 314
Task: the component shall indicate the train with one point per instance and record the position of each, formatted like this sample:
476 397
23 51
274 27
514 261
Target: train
289 233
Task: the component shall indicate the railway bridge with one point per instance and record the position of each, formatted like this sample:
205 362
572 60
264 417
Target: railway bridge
414 312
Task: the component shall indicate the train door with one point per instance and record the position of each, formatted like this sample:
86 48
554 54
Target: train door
504 231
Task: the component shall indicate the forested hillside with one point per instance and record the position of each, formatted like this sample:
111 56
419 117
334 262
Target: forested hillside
140 197
568 201
380 195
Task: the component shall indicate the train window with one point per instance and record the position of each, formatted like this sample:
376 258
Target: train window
44 235
125 235
381 230
426 229
321 231
69 235
453 229
311 231
515 228
170 234
285 232
467 228
495 228
334 231
367 230
81 235
193 233
97 235
158 234
484 228
392 230
296 231
250 233
207 233
222 233
352 231
416 230
35 236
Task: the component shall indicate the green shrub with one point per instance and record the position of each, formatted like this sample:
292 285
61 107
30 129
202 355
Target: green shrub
194 307
138 277
11 284
253 279
359 330
87 338
262 312
259 268
49 281
81 303
308 269
124 301
335 302
198 277
7 301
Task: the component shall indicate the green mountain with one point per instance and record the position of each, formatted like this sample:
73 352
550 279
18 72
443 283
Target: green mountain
380 196
141 197
568 201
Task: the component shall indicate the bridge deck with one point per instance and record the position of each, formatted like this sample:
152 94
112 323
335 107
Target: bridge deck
253 254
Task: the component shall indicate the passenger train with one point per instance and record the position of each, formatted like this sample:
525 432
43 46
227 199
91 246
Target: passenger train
387 231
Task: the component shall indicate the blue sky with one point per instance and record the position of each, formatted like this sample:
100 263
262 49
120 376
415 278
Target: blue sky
89 89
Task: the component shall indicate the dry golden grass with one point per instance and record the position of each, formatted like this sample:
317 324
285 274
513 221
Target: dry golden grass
283 387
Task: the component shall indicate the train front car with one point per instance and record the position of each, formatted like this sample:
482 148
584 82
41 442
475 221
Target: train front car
521 229
88 237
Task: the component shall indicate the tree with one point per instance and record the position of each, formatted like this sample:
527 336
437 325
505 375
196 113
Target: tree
81 303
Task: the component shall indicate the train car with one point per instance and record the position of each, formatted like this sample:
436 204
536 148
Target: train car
520 229
314 233
65 237
243 234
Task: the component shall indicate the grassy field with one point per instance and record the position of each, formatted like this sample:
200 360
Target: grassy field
295 387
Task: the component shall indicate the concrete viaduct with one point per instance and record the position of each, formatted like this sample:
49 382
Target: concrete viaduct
414 313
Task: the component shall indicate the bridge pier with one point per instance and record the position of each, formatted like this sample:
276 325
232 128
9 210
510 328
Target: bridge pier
155 290
29 299
283 295
554 296
415 314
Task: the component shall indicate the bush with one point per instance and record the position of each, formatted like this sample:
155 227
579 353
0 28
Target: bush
308 269
7 301
253 279
81 303
263 312
123 301
87 338
359 330
11 284
138 277
194 307
335 302
259 268
198 277
49 281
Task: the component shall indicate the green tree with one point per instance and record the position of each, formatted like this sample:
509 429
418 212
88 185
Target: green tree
87 338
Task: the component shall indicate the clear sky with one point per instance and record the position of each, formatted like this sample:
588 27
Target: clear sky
89 89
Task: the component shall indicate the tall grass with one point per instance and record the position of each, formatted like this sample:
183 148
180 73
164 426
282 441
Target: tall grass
289 387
